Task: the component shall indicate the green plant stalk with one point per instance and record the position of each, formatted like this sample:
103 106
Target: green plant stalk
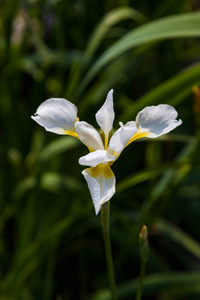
105 223
141 281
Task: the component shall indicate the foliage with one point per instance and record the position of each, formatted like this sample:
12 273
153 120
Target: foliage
51 245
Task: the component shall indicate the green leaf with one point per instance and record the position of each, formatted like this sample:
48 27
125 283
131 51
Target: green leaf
111 18
54 182
58 146
155 284
172 91
178 26
145 175
178 236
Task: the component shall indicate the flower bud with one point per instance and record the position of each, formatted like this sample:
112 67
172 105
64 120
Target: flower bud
144 245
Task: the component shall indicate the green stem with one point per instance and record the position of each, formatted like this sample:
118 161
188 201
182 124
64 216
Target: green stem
141 281
105 223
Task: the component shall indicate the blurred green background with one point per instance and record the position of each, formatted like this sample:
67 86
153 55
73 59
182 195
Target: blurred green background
51 244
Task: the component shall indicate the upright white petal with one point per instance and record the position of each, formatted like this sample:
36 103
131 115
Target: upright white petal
101 183
92 159
89 135
121 137
157 120
56 115
105 116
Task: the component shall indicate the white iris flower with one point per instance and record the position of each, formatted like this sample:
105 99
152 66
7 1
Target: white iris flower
60 116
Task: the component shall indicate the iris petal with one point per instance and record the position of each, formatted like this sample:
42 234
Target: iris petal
157 120
121 137
105 116
89 135
97 157
57 115
101 183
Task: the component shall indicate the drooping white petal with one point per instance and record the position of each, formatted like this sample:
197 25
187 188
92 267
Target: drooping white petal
121 137
92 159
56 115
89 135
105 116
101 183
157 120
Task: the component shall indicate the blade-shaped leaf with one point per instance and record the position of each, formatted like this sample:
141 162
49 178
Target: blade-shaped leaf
172 91
178 26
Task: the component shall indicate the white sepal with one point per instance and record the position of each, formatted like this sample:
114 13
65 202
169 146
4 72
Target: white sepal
56 115
92 159
101 183
157 120
105 116
121 137
89 135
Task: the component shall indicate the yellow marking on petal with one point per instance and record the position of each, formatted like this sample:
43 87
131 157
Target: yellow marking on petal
106 143
90 149
101 170
72 133
107 171
136 136
105 139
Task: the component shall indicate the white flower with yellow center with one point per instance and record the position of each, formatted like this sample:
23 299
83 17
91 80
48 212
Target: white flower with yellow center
60 116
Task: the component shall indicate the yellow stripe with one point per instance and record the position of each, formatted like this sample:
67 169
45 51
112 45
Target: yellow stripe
72 133
106 142
136 136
